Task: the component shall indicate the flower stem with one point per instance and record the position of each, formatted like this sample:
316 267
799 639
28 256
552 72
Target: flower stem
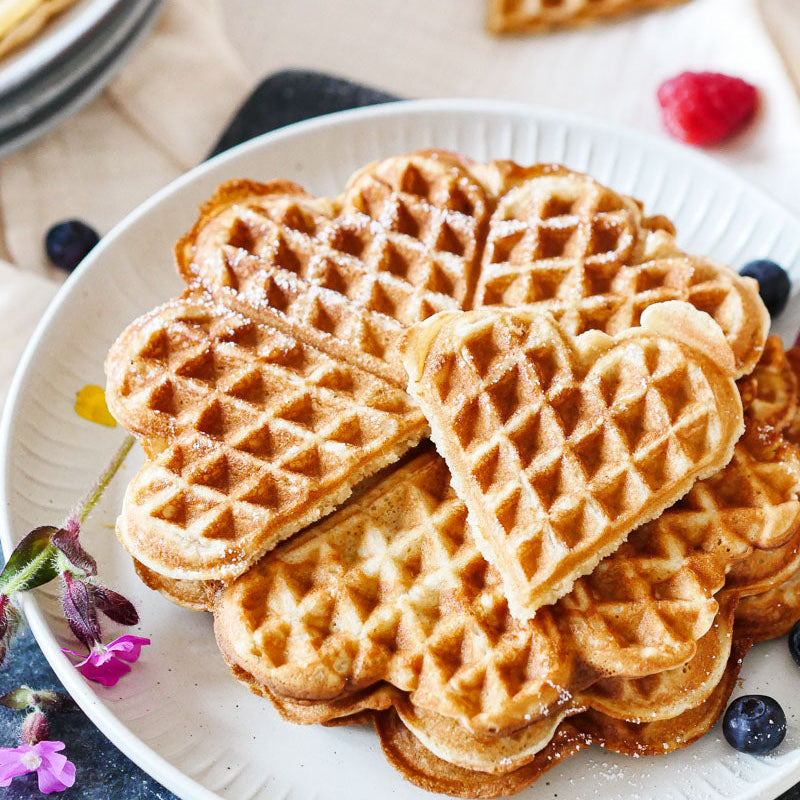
97 490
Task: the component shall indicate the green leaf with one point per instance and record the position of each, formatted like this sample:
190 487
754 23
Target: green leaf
33 562
18 699
42 699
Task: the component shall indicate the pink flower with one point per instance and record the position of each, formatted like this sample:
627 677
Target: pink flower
106 663
54 771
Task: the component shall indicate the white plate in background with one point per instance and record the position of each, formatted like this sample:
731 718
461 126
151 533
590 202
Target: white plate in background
58 35
74 80
66 64
179 714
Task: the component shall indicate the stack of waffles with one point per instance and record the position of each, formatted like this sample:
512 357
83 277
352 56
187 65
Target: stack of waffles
539 467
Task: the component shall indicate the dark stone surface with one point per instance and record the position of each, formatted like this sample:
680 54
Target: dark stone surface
102 771
290 96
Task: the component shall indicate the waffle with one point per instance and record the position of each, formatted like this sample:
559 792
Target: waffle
559 446
409 738
504 765
250 436
393 588
559 240
770 392
429 231
406 752
535 16
771 613
661 697
346 275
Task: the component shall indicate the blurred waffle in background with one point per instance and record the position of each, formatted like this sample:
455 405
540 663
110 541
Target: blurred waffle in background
536 16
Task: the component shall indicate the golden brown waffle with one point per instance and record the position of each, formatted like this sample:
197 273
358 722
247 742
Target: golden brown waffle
419 765
562 241
412 235
771 613
347 275
662 696
769 399
559 446
504 765
411 738
535 16
393 588
194 595
250 434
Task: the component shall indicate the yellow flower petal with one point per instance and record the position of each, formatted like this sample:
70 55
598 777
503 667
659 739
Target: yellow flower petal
90 403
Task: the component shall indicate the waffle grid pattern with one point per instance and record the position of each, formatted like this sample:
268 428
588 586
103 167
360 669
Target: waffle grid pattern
569 245
258 426
413 235
553 458
403 247
398 591
424 612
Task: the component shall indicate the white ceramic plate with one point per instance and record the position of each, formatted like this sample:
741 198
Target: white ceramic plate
179 714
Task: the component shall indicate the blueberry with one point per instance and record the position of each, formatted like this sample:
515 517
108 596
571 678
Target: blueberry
774 284
67 243
754 723
794 642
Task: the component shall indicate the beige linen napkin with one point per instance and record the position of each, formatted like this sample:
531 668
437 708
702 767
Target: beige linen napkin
782 20
159 117
139 134
23 298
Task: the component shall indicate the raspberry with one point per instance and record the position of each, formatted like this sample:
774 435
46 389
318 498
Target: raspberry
705 107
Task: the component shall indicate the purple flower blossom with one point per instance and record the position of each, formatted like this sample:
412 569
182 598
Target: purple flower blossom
80 610
54 771
107 663
66 540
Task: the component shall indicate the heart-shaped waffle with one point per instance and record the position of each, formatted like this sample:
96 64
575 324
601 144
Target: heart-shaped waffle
250 435
440 756
404 739
659 697
560 446
347 275
559 240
